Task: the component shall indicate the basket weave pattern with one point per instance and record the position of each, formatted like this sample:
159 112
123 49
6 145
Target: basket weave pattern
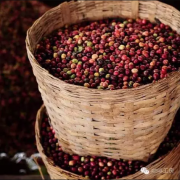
172 160
128 124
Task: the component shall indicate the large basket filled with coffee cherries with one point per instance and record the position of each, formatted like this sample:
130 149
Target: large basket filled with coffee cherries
61 165
109 76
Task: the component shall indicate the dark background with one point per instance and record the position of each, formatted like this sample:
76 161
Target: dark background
175 3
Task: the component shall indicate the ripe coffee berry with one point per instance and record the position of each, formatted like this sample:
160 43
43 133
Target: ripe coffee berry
108 48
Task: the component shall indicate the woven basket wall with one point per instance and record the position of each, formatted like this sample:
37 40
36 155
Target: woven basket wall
128 124
172 160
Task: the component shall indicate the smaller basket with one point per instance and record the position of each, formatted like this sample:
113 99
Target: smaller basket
171 160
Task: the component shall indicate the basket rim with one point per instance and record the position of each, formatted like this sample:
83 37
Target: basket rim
139 88
40 113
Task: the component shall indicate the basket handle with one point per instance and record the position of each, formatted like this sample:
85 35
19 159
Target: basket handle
135 8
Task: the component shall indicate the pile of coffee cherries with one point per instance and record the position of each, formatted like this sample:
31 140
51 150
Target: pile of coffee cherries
93 167
111 54
19 95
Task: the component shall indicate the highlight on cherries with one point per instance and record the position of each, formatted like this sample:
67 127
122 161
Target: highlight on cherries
93 167
111 54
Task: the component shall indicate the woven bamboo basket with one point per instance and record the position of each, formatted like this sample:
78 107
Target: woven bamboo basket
128 124
166 163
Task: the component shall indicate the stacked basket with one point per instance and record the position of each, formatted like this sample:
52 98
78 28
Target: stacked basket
128 124
169 162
